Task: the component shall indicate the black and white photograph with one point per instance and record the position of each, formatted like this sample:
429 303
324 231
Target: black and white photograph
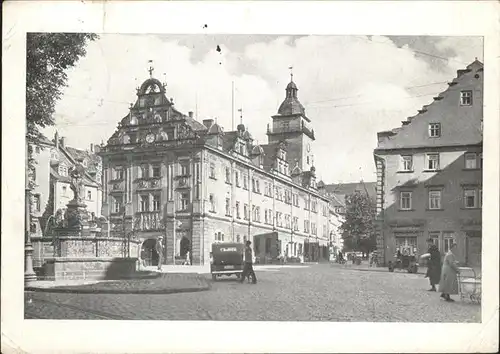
213 177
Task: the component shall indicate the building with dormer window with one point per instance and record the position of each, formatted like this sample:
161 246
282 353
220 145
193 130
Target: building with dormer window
213 185
429 174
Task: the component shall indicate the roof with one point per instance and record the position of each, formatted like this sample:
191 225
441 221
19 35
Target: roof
93 159
195 125
86 181
460 124
228 140
269 155
343 189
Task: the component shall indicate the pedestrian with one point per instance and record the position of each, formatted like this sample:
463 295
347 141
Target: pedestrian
248 267
433 265
341 258
159 250
449 282
188 258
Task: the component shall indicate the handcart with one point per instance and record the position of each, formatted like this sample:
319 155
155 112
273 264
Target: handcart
469 284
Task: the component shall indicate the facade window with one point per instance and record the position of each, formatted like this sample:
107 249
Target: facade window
64 191
434 199
480 197
255 213
37 149
407 162
219 237
255 185
314 206
156 202
238 238
184 201
33 174
434 236
470 198
307 159
432 162
156 171
306 226
266 219
405 201
211 200
434 130
466 98
144 203
448 240
237 178
143 171
184 169
287 221
245 182
470 161
212 170
37 202
295 223
279 220
238 210
117 204
89 195
314 231
228 175
119 173
307 203
228 207
245 211
296 200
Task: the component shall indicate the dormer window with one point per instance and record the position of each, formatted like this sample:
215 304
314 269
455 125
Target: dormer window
434 130
466 98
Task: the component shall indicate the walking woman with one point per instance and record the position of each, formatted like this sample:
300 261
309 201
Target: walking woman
449 282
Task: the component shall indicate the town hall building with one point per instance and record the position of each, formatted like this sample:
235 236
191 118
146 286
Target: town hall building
166 174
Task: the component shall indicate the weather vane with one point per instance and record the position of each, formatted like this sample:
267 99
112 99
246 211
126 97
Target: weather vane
291 73
241 115
151 69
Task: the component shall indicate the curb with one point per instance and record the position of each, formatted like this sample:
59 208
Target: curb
117 291
85 289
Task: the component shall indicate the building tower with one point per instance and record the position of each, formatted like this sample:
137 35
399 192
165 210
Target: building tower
292 124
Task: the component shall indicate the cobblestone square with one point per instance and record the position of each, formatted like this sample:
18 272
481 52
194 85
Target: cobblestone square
321 292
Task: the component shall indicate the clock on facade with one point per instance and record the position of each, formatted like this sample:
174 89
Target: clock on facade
150 138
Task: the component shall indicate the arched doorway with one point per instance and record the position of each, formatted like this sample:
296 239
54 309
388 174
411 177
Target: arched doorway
148 252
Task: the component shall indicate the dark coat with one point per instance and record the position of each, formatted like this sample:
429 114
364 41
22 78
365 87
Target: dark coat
434 265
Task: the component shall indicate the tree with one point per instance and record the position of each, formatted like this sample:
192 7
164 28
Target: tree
358 228
48 56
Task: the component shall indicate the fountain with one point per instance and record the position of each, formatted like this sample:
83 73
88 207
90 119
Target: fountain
80 251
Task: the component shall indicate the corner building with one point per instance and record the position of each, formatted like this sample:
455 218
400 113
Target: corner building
166 174
429 174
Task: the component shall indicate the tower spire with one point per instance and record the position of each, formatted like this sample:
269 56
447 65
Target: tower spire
291 73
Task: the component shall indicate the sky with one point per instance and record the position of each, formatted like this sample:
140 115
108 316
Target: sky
351 86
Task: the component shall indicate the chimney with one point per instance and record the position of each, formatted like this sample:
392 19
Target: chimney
91 147
190 113
208 123
63 140
56 139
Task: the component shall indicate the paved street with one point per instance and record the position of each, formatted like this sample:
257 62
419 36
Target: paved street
309 293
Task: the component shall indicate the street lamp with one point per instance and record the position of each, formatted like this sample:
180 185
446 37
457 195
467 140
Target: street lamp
29 273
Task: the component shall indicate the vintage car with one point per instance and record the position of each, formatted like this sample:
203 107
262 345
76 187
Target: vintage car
226 259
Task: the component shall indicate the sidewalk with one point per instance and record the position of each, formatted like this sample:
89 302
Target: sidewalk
157 284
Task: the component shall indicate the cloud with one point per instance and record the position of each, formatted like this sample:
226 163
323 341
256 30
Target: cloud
352 87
